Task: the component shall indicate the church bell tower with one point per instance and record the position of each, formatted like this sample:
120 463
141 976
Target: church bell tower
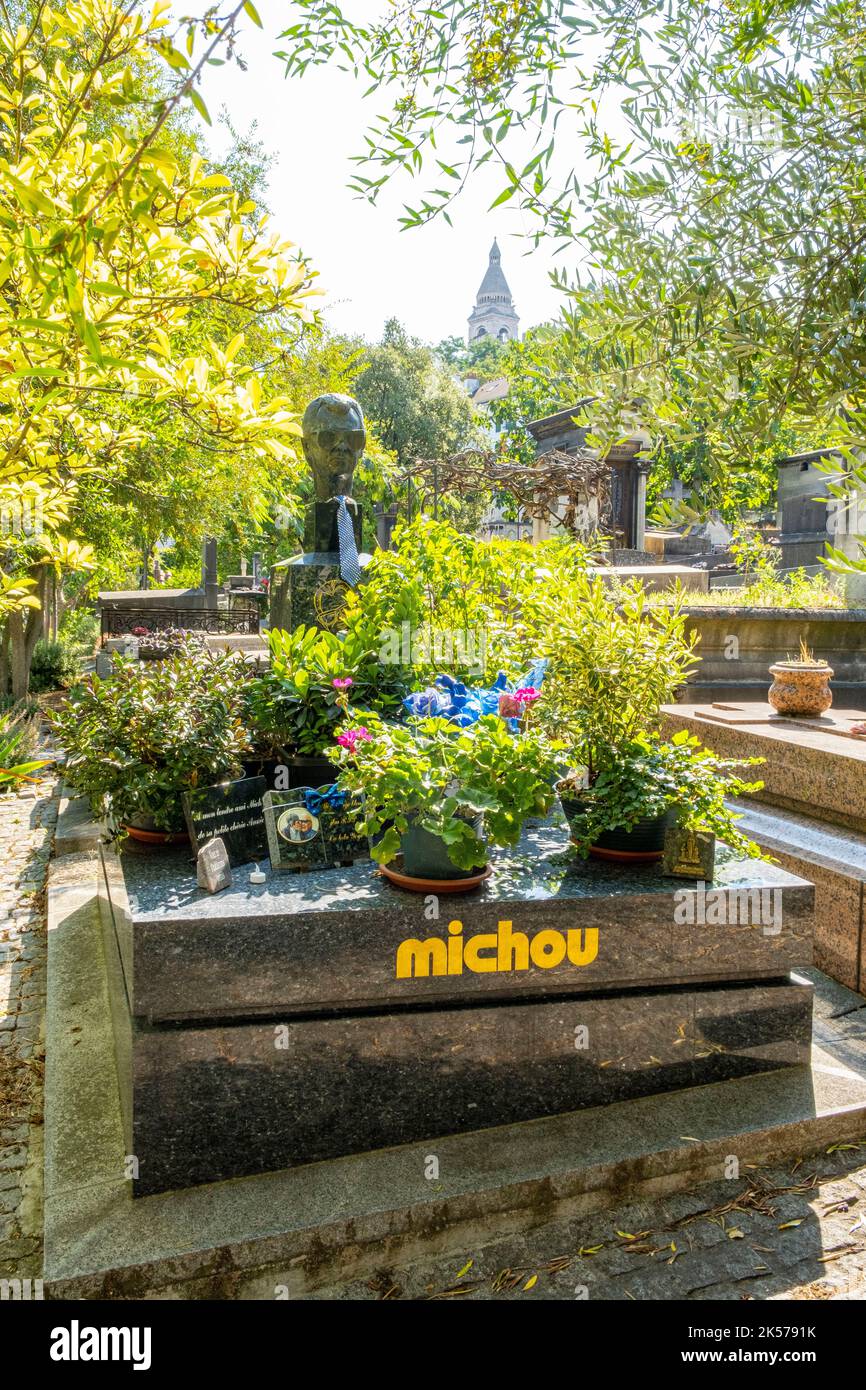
494 313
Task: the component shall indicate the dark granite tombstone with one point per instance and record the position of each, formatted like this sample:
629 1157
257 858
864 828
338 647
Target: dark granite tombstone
234 812
325 1013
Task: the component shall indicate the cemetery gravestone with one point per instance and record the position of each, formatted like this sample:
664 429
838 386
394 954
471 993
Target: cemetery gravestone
213 870
232 811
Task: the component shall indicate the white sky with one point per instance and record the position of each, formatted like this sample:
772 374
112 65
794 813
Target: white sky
370 269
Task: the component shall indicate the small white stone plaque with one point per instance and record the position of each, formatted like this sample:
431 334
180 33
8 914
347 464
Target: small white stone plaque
213 870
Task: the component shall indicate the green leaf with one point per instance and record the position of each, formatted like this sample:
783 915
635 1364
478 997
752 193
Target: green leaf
199 105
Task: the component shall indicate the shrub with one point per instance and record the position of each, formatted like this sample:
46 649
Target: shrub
55 666
79 629
135 742
293 706
612 666
466 606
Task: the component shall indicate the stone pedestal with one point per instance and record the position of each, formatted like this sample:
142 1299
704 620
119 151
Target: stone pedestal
322 1015
308 589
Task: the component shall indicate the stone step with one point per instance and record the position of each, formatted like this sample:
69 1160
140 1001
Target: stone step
77 830
813 767
288 1233
835 861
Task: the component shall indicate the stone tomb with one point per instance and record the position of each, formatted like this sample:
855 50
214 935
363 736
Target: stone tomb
328 1014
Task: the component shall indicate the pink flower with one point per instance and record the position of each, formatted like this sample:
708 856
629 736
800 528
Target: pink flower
350 738
342 682
527 696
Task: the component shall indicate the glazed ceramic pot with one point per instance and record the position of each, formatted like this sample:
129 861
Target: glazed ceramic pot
644 843
425 856
800 689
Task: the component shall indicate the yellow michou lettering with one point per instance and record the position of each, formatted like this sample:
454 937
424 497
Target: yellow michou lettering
455 948
480 943
428 957
504 951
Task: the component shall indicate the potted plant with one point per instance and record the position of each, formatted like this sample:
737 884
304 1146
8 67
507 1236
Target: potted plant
612 663
643 788
801 685
137 741
292 708
440 795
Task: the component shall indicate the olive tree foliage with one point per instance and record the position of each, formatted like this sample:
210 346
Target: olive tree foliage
703 160
110 244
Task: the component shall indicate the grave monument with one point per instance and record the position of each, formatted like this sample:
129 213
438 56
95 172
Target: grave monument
310 588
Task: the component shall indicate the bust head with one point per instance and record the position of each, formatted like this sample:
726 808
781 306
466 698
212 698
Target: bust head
334 438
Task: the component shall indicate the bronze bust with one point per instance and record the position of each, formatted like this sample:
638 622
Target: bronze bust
334 438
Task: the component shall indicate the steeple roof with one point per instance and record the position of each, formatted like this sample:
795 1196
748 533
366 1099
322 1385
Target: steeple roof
494 286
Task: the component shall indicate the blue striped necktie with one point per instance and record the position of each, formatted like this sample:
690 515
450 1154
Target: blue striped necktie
350 568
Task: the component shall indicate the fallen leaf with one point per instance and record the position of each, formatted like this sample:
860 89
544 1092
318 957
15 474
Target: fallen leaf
787 1225
466 1268
531 1282
735 1233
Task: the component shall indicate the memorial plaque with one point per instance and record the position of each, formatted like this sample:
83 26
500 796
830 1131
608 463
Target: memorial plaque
313 828
295 838
213 871
689 854
339 816
234 812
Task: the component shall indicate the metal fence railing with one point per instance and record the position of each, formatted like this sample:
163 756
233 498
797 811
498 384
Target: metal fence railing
117 620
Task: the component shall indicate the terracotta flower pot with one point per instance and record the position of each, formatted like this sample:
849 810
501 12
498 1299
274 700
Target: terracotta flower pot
800 689
143 828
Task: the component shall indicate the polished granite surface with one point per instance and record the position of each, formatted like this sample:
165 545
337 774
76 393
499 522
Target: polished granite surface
331 940
162 887
219 1102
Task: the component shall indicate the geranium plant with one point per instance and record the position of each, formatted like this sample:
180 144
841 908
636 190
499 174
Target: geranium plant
469 787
